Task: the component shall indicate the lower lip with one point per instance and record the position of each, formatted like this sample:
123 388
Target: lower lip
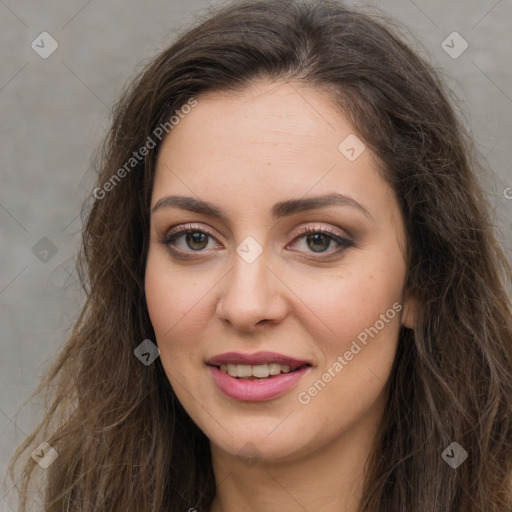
256 390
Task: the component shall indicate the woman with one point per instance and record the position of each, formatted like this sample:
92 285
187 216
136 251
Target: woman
295 298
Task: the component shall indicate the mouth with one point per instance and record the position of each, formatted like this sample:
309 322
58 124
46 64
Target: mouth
256 383
260 366
257 372
256 377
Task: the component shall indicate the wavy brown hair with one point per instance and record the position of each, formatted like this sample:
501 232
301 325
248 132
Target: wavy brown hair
125 443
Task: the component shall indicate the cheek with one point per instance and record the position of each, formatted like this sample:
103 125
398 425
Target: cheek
340 305
358 352
172 297
167 309
362 311
180 305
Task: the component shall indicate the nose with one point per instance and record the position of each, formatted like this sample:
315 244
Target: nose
252 295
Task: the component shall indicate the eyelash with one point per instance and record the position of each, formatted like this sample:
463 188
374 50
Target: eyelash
171 237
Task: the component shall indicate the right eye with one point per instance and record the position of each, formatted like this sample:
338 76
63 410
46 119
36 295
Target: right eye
194 239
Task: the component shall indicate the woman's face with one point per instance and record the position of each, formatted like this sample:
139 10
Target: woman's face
249 289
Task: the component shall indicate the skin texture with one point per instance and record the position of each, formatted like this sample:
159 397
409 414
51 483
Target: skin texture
243 152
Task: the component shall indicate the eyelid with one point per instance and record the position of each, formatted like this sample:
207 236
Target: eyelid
183 228
304 230
324 229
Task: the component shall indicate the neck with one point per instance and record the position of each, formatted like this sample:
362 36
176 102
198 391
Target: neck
329 479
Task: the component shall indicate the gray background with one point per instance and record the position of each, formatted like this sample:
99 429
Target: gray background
54 112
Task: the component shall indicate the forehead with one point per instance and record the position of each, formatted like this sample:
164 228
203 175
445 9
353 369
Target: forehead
275 120
266 143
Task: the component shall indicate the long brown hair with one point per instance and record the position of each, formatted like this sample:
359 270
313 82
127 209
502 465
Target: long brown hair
123 440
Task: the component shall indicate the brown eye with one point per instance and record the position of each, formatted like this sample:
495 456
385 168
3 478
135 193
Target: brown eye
319 240
195 239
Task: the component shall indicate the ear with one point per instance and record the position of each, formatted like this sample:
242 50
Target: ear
410 312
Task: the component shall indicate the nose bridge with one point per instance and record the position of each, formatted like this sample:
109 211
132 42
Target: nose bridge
249 280
250 290
249 271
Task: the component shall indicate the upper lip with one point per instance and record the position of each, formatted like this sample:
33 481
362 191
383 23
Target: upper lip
255 359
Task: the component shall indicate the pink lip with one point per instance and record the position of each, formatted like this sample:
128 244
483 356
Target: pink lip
254 359
256 390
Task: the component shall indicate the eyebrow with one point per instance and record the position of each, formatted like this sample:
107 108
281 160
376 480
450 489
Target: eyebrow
279 210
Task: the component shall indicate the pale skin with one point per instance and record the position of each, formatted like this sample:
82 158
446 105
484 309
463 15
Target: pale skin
243 152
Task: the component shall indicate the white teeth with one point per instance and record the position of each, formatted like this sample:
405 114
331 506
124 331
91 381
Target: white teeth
244 370
274 369
260 371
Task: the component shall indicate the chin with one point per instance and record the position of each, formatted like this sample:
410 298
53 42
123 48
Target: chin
256 440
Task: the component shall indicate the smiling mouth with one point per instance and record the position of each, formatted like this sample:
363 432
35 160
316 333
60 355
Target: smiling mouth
257 372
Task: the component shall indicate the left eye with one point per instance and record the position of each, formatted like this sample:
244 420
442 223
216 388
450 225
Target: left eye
317 240
321 239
